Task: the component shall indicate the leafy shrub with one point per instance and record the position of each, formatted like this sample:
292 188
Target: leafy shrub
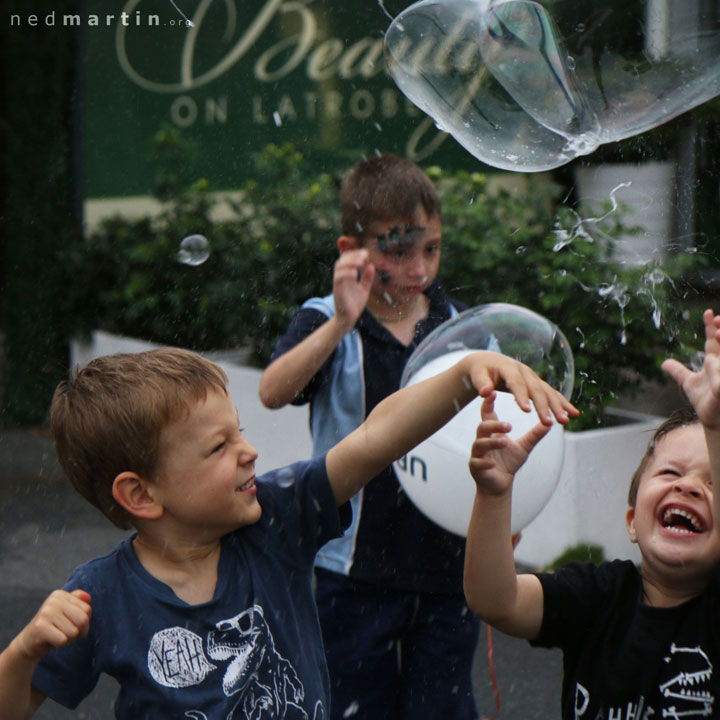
279 245
529 249
582 552
276 250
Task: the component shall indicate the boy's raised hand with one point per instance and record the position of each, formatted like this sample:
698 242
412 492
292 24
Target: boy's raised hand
352 279
63 618
702 388
495 458
490 371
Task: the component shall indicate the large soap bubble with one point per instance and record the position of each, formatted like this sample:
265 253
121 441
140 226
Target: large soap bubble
528 86
435 474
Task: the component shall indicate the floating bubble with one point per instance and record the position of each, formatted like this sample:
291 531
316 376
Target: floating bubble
435 474
194 250
528 86
285 477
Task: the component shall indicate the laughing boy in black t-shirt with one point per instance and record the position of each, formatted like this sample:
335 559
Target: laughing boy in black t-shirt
636 645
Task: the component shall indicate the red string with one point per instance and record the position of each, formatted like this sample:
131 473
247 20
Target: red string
492 674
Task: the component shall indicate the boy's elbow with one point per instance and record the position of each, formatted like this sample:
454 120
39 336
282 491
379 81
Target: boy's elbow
481 605
268 392
270 400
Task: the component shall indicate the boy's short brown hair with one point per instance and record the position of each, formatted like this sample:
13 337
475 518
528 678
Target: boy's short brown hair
385 187
107 419
678 419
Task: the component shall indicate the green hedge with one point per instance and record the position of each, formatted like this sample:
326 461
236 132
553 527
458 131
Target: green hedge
278 248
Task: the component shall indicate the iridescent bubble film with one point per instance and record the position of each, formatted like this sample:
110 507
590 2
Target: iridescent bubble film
528 86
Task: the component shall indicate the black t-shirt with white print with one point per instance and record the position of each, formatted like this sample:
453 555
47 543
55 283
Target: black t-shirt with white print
625 660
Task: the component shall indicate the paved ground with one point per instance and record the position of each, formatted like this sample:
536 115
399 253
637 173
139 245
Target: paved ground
46 530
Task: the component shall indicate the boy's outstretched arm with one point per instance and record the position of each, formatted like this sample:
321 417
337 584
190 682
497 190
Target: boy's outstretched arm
288 375
702 389
63 618
494 591
405 418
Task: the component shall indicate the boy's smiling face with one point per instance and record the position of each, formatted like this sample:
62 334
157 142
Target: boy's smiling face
206 477
672 519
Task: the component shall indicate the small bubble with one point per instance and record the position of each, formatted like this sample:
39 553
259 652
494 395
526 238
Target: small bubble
656 276
277 119
580 27
570 62
285 477
697 361
194 250
351 709
520 249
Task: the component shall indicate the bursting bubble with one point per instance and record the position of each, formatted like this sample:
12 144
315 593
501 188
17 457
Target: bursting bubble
527 86
435 474
194 250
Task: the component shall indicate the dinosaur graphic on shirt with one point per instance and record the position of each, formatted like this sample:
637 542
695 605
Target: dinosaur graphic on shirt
267 683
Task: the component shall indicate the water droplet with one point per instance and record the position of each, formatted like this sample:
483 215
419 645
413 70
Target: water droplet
285 477
656 276
194 250
657 318
351 709
697 361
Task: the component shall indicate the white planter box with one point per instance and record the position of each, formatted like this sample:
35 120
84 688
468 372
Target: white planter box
590 501
648 189
588 505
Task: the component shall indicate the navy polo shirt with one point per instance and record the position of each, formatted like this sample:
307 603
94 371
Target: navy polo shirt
396 544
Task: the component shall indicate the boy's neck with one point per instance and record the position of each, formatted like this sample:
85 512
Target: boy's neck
670 593
394 312
190 570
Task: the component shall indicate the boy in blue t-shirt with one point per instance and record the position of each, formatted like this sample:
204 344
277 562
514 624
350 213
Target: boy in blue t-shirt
635 644
392 585
207 610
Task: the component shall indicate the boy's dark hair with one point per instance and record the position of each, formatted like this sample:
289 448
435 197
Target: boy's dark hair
107 419
385 188
679 418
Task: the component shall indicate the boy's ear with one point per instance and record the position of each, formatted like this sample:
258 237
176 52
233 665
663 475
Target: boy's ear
347 242
135 495
630 523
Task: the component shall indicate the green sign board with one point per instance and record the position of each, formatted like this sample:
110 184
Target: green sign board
244 73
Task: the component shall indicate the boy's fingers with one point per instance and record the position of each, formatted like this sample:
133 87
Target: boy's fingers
368 275
676 370
492 427
481 463
487 409
533 436
82 595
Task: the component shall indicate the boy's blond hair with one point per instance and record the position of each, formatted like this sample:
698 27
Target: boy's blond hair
107 419
678 419
385 188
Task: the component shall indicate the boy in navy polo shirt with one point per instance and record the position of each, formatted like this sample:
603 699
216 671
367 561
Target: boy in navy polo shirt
207 611
393 584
